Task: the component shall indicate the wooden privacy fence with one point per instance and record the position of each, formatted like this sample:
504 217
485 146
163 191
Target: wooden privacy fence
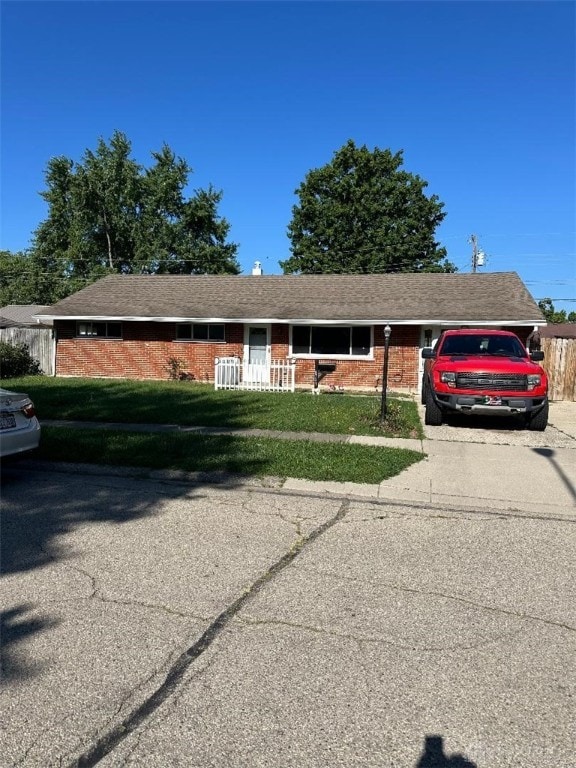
40 341
560 365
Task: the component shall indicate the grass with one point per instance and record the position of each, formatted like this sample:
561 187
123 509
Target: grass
236 455
194 404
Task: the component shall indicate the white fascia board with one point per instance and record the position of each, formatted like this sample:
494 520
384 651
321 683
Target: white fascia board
482 323
253 320
471 323
289 321
128 318
385 321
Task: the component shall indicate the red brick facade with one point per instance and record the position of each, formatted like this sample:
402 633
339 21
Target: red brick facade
145 349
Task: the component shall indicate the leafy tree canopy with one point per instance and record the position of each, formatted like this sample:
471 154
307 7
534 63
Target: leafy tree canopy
15 279
362 213
555 316
109 214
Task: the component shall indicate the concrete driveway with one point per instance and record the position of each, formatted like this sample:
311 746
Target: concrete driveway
497 463
475 462
148 621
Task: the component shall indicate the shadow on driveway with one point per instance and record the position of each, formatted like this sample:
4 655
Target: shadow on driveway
14 627
434 756
548 453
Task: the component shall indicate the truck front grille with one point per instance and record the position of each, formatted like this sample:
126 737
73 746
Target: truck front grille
496 381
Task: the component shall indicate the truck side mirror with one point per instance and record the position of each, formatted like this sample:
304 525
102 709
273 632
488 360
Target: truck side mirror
537 355
428 353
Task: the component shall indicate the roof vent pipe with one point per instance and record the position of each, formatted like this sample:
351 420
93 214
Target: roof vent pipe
257 268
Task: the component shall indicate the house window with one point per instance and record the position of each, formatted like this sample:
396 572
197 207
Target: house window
100 330
330 340
199 332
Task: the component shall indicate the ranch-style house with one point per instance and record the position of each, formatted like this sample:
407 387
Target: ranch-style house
278 331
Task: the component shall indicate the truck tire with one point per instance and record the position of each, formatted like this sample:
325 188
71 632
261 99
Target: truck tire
433 413
423 392
539 421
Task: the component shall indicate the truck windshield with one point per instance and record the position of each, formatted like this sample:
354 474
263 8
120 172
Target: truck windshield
482 344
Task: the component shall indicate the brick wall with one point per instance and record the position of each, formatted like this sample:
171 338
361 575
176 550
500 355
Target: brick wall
142 353
145 349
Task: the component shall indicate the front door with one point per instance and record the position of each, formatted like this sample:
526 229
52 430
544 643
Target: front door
256 354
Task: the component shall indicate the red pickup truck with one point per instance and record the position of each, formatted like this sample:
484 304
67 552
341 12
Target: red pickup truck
486 372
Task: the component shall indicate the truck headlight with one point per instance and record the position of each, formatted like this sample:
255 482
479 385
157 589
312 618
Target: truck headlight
449 378
534 380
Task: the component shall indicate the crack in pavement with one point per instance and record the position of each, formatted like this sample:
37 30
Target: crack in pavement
107 742
428 509
96 594
445 596
162 716
408 646
154 607
435 510
274 509
157 607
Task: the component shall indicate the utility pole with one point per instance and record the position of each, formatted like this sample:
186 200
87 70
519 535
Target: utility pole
477 255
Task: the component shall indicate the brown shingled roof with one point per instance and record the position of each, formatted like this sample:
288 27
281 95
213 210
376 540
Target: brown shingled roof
559 331
418 297
22 314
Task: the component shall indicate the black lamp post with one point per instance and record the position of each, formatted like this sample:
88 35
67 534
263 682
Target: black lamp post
387 333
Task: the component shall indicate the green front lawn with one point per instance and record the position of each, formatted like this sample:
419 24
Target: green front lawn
222 453
194 404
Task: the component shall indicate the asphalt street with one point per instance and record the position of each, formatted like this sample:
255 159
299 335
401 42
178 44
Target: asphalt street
151 620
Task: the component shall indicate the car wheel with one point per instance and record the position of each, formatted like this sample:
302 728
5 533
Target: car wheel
433 413
539 421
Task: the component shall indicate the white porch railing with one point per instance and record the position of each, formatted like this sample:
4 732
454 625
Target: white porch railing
234 373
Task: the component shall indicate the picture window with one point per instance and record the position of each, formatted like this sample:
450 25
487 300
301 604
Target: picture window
331 340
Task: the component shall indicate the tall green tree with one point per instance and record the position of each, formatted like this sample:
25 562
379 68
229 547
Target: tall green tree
108 214
362 213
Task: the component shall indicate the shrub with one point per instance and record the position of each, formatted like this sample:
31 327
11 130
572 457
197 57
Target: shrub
175 368
16 360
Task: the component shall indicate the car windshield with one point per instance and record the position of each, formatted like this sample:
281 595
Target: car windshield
482 344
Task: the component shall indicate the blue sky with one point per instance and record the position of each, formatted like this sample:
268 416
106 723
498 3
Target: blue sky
479 96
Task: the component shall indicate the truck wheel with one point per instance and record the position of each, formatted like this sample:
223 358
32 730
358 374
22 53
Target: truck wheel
423 393
539 421
433 413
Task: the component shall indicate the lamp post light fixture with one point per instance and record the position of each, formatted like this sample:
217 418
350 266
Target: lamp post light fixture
387 334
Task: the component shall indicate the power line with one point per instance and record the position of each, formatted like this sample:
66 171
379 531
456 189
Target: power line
542 298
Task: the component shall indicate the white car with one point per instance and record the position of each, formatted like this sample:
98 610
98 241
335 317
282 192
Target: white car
19 427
